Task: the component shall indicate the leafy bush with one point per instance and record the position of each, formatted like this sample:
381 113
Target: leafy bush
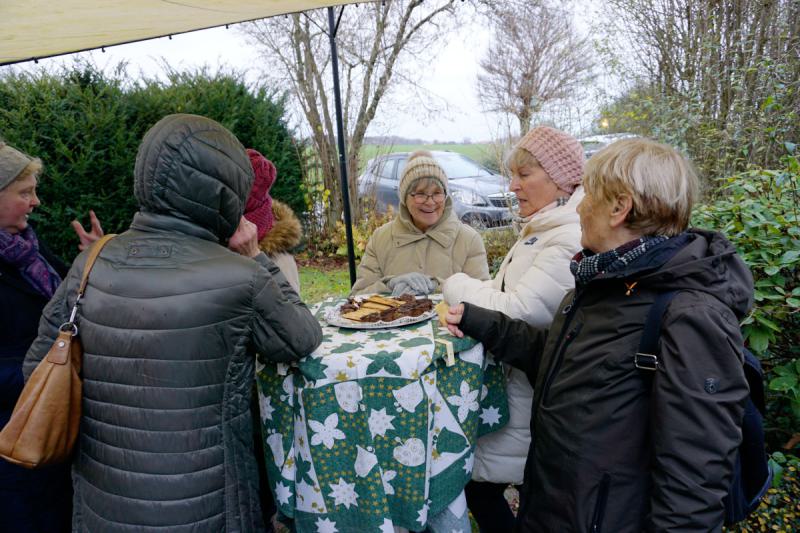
497 243
758 211
86 127
780 508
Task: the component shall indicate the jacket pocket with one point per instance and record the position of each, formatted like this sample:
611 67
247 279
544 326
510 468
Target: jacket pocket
600 504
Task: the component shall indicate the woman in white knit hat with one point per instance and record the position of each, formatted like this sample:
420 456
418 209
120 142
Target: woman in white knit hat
425 243
546 167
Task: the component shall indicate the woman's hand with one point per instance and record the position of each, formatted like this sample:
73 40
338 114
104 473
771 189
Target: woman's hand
453 318
244 241
414 283
86 239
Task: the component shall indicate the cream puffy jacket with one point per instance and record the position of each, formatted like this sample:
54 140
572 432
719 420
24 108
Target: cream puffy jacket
530 284
399 247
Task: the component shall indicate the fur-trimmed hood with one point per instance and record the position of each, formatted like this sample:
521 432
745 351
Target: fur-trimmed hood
285 233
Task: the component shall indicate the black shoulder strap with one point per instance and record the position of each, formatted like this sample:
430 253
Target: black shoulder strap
647 356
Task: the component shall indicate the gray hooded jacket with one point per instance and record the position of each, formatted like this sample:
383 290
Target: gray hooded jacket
169 324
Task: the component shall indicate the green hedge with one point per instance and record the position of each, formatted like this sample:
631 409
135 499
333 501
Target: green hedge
86 126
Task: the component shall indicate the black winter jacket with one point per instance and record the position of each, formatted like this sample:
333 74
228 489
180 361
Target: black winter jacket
611 453
30 500
169 324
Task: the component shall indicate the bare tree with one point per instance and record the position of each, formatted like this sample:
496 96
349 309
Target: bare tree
536 58
729 69
373 39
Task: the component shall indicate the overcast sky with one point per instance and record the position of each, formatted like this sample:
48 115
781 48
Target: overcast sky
451 75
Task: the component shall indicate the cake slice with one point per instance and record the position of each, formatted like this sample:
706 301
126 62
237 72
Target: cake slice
363 315
391 302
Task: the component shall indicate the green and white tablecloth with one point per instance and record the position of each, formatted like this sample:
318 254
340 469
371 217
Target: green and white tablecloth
373 429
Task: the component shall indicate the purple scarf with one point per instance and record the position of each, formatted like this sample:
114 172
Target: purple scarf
21 250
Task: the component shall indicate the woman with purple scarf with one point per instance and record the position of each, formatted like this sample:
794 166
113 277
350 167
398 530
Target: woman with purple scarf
30 500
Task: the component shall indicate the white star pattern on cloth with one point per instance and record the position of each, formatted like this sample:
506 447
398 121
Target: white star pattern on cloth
343 493
283 493
326 433
386 477
468 463
490 416
265 406
386 527
423 514
466 402
326 525
379 422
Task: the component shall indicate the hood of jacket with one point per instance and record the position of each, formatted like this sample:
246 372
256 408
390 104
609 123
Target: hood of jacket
698 260
286 230
193 169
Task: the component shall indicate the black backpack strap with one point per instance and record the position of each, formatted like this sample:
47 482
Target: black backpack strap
646 357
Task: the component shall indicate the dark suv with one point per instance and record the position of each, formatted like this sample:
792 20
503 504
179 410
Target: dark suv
480 197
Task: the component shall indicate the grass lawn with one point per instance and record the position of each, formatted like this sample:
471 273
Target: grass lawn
316 283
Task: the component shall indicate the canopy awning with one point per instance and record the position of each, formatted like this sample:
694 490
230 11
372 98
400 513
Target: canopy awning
34 29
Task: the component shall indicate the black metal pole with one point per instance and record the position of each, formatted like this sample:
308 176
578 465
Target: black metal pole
337 97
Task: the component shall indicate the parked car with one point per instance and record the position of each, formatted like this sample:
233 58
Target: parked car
595 143
480 197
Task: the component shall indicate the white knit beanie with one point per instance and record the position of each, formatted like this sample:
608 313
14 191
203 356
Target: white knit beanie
420 164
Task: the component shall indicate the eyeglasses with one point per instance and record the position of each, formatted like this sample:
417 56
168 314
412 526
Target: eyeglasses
420 197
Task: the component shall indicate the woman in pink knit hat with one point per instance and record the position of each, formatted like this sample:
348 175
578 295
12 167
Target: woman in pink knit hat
546 166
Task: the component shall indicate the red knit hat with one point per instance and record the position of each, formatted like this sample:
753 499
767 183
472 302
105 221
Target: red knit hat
560 154
258 209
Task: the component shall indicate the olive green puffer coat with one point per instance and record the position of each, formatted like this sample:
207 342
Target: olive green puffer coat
169 325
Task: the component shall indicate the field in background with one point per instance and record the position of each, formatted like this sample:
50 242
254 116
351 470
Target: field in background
478 152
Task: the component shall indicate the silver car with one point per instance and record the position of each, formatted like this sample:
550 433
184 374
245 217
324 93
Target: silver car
595 143
480 197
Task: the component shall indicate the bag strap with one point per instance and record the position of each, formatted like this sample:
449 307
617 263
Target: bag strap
646 357
94 253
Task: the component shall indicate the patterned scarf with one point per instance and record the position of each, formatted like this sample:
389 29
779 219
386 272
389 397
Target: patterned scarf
586 265
21 250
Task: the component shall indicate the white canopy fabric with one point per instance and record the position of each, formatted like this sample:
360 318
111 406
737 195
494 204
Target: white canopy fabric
33 29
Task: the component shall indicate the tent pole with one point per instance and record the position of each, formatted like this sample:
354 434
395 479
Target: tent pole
337 96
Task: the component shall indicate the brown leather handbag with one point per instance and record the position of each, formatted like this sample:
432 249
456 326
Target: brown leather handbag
44 425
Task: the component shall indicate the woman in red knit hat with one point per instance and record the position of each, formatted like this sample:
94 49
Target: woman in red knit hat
279 229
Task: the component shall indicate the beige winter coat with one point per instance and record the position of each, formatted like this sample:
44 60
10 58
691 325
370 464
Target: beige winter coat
399 247
530 284
279 241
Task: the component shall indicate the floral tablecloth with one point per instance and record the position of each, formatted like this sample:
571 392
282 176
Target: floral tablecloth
374 429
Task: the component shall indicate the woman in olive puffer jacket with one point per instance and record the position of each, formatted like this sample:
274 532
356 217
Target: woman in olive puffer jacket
169 324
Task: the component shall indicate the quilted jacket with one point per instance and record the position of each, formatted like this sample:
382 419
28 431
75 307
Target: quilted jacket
399 247
529 285
169 324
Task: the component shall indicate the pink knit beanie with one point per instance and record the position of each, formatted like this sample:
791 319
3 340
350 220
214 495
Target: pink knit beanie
559 154
258 208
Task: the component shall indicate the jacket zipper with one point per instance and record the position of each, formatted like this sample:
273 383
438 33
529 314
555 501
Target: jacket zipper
600 505
563 343
568 310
